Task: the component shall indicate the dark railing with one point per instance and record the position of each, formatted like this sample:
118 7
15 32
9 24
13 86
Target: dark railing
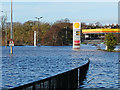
67 80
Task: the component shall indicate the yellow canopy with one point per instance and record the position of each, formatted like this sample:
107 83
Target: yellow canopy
100 31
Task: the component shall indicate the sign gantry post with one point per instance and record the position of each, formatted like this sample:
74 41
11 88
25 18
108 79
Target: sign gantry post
76 35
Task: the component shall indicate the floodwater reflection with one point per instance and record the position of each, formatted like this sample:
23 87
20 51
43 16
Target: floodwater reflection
30 64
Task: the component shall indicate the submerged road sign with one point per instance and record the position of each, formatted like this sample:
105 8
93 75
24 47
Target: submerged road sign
11 43
76 35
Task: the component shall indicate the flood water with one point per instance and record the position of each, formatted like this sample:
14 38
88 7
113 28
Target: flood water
29 64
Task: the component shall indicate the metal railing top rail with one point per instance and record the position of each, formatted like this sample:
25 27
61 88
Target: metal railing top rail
46 79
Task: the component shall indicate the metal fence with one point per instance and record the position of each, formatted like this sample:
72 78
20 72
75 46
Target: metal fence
67 80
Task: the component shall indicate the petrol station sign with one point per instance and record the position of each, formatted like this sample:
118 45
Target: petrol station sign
76 35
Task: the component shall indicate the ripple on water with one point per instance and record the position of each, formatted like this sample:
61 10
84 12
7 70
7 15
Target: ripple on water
30 64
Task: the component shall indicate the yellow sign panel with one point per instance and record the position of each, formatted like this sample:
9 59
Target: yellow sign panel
77 31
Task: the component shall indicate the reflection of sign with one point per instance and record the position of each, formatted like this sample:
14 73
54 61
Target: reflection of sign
11 43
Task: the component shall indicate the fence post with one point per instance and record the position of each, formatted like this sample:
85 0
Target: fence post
50 84
34 87
78 77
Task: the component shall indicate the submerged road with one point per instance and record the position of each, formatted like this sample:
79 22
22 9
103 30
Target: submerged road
30 64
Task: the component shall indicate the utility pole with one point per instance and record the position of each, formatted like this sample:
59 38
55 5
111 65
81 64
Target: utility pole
38 18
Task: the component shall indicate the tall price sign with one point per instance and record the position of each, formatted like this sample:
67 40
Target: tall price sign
76 35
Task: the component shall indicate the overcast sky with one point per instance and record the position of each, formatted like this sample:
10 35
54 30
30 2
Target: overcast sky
89 12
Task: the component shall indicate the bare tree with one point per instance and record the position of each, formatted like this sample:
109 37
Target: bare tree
3 26
3 22
98 25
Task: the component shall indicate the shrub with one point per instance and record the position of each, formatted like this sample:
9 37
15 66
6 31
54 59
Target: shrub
110 42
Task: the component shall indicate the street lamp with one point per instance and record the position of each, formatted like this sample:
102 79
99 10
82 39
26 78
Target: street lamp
38 18
11 37
11 34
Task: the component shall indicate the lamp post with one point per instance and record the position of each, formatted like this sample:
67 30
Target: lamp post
11 37
38 18
11 33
